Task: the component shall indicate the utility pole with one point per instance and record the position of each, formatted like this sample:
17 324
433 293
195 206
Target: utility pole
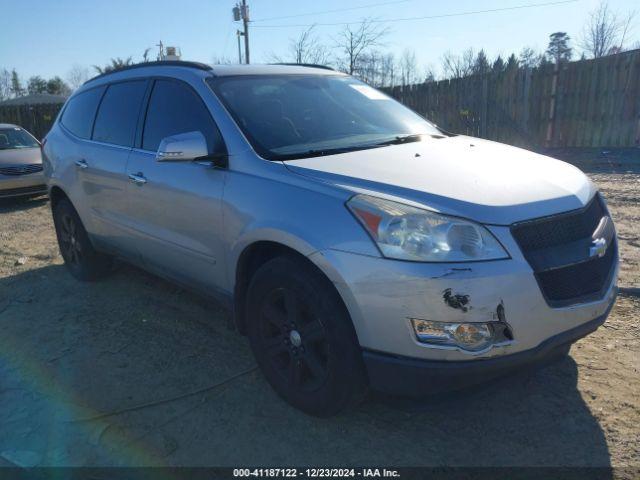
245 21
239 34
161 47
241 12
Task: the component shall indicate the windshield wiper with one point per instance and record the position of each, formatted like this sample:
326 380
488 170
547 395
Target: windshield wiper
400 139
322 152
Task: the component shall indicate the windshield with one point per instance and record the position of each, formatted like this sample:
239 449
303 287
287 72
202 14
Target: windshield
296 116
15 137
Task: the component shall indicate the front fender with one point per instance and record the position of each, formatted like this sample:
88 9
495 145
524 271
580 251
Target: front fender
275 205
282 234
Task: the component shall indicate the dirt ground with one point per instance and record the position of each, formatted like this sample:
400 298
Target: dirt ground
135 371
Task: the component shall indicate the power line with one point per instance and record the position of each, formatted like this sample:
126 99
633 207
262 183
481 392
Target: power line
226 39
372 5
428 17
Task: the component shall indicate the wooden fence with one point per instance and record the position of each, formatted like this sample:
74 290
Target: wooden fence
37 119
589 103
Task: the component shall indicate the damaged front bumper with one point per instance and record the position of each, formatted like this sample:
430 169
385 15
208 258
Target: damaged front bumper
414 378
383 296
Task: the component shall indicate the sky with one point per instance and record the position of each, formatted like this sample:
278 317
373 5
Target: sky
46 37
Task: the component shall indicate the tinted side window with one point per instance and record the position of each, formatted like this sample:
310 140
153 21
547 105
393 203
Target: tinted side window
80 111
118 113
174 108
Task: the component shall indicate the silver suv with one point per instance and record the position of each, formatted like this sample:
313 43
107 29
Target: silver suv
358 245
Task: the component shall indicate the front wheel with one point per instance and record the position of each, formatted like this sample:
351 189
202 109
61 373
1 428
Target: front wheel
303 339
82 260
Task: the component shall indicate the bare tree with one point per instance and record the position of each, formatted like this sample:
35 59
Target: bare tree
458 66
408 68
355 41
77 76
5 84
387 73
369 68
604 32
308 49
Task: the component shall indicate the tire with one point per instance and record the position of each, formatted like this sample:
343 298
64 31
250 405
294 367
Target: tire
303 339
80 258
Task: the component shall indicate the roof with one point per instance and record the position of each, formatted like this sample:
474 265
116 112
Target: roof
35 99
8 125
272 69
160 63
228 70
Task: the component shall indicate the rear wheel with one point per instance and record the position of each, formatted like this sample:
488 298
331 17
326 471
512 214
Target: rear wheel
303 338
82 260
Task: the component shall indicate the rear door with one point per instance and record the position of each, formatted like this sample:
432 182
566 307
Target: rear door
175 207
76 122
102 166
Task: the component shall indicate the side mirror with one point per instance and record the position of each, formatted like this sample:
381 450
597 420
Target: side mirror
184 147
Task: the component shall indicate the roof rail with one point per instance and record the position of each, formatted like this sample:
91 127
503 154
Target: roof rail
159 63
309 65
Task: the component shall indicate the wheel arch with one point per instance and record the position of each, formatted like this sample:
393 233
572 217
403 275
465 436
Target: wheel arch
251 258
56 194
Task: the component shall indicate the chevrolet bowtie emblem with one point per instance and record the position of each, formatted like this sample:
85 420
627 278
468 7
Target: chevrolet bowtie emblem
598 247
599 239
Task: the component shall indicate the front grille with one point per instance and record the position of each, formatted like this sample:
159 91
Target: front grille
579 280
21 169
559 229
558 250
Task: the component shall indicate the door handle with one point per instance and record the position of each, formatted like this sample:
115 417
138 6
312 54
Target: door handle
82 164
137 178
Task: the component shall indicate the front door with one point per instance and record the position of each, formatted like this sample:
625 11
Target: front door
175 207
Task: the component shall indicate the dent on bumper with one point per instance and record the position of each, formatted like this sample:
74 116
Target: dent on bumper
382 295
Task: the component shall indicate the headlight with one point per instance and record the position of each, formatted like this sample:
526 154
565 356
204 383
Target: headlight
409 233
472 337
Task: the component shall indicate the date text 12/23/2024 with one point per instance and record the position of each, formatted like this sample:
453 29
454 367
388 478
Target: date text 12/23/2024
315 473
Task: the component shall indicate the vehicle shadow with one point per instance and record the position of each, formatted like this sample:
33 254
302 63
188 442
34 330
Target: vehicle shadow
536 417
134 371
21 203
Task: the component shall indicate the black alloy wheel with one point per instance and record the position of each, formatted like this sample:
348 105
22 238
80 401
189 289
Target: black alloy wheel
302 337
80 257
294 339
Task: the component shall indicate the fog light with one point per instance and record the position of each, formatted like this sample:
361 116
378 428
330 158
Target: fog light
472 337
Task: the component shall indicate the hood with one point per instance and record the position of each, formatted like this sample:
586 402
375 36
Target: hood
20 156
478 179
